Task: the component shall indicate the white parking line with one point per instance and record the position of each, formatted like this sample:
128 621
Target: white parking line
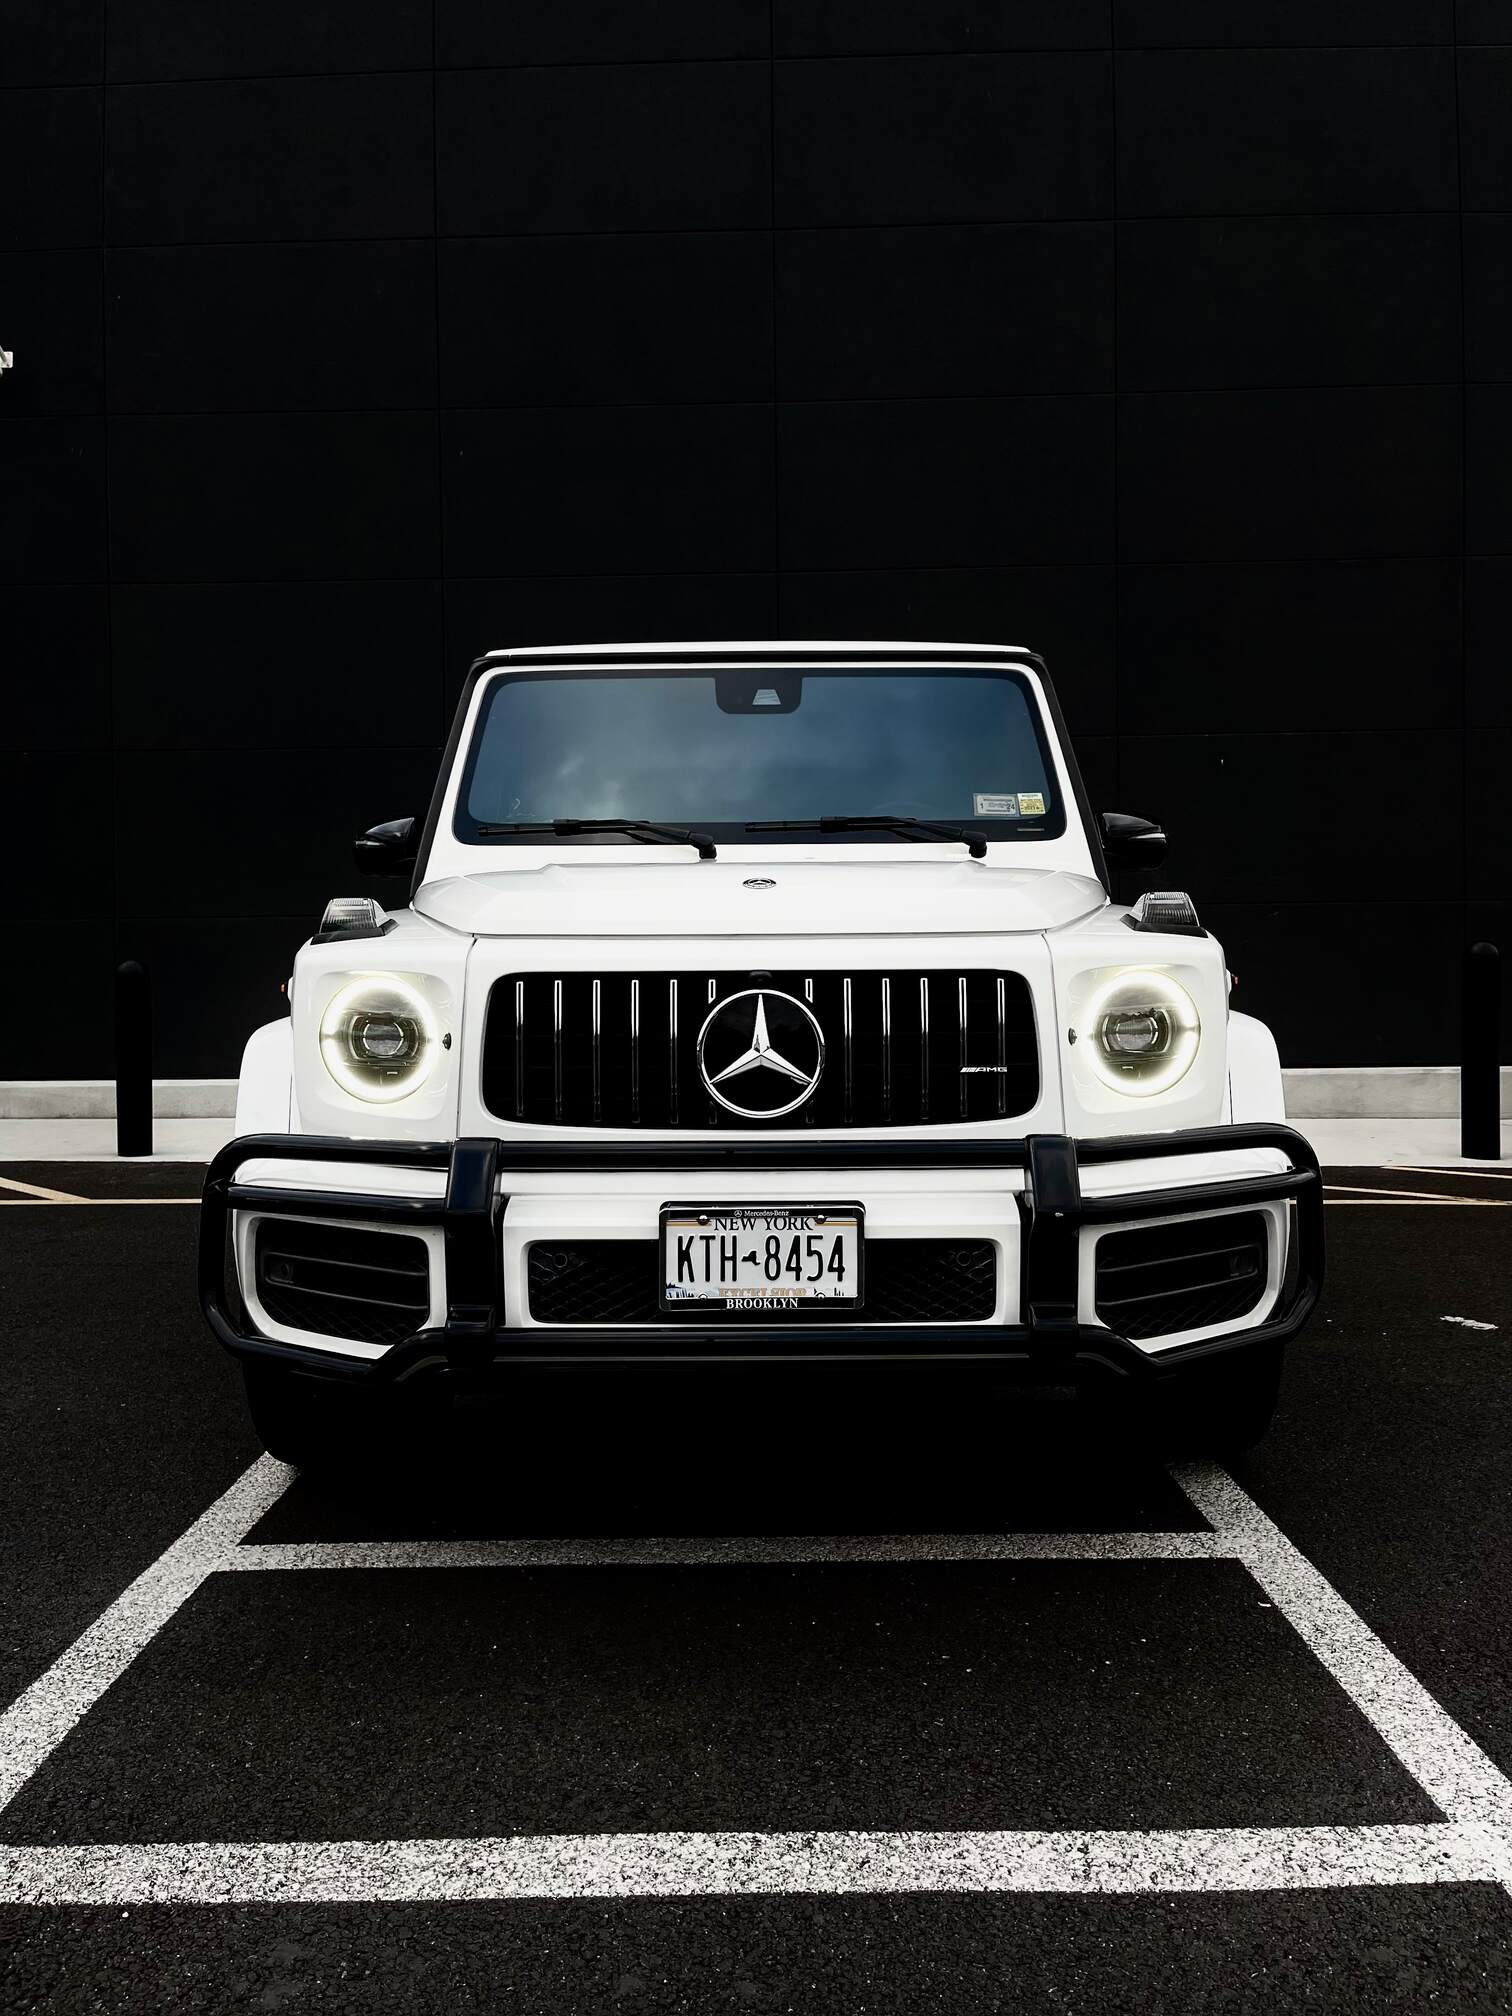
38 1720
784 1549
1456 1774
1472 1844
743 1865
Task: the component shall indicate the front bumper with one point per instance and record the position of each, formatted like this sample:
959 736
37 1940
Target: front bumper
470 1339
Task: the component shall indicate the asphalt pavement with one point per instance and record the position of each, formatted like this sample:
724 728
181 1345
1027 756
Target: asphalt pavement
438 1750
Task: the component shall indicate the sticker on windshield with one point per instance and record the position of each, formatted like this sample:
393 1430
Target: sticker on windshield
996 804
1031 804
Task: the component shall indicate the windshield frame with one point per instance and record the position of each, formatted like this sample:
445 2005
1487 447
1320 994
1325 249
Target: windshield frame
994 828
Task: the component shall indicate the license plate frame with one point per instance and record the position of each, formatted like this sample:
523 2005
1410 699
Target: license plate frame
704 1216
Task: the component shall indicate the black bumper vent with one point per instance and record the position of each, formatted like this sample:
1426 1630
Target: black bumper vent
371 1286
1155 1280
907 1281
901 1049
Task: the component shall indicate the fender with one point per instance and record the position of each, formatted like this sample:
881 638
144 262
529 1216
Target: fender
1255 1088
265 1089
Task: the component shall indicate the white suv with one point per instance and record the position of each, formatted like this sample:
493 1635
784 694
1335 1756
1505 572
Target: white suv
762 1004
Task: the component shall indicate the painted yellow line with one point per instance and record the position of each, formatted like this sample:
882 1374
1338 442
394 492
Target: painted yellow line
1386 1197
1419 1196
37 1193
19 1203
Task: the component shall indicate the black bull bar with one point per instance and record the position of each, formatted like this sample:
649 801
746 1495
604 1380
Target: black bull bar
476 1345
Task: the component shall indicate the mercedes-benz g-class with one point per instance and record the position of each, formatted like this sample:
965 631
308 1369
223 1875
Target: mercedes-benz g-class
762 1005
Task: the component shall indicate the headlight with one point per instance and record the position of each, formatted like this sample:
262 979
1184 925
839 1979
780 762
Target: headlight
1142 1029
378 1039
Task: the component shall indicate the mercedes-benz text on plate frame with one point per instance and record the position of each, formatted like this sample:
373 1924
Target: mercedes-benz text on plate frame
761 1004
761 1257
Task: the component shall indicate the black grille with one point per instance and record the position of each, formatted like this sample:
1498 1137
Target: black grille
620 1049
907 1281
373 1286
1156 1279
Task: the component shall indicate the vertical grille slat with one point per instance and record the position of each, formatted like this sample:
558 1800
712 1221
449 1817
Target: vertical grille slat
621 1049
850 1057
556 1048
924 1046
962 1014
1002 1047
887 1049
519 1050
672 1051
598 1051
635 1112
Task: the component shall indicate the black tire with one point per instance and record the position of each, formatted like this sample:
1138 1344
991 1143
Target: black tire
1227 1407
1217 1409
307 1422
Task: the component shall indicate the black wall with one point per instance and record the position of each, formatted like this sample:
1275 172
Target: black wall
353 336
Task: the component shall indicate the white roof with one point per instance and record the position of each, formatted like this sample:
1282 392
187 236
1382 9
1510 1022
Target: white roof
756 647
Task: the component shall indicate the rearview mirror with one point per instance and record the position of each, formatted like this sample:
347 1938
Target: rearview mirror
388 849
1132 842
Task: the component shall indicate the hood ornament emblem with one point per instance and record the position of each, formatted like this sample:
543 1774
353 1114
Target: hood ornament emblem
736 1044
758 882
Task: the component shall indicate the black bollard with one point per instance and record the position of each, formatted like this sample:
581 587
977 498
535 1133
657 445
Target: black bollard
1480 1055
133 1059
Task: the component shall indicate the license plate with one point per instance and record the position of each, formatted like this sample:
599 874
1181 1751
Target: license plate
755 1258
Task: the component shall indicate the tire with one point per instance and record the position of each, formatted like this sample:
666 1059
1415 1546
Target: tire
306 1422
1218 1409
1226 1408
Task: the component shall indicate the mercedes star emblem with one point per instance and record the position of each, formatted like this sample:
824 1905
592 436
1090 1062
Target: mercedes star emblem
766 1043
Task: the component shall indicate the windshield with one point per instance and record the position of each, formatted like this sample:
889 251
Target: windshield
717 748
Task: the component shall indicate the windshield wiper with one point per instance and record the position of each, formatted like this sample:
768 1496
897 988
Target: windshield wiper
639 829
845 822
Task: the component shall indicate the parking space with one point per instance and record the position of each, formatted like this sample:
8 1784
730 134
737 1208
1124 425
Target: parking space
713 1696
770 1696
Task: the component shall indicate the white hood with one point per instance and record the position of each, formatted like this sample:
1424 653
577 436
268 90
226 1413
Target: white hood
656 897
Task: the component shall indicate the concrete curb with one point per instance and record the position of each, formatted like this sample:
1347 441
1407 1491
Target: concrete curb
94 1099
1380 1092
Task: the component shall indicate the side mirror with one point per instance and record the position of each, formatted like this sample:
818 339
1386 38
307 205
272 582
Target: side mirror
1132 842
388 849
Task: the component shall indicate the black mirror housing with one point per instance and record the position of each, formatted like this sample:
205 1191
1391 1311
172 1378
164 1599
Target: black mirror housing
1132 842
389 849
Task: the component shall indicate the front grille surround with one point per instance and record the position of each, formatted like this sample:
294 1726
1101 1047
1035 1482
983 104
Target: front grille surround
583 1282
361 1283
903 1048
1172 1277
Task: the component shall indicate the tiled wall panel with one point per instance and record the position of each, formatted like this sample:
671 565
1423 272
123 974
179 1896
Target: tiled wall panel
1169 336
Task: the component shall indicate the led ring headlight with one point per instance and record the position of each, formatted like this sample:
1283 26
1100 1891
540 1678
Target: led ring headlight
378 1039
1142 1031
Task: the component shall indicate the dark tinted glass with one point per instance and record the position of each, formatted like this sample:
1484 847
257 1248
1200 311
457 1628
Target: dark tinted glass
715 749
